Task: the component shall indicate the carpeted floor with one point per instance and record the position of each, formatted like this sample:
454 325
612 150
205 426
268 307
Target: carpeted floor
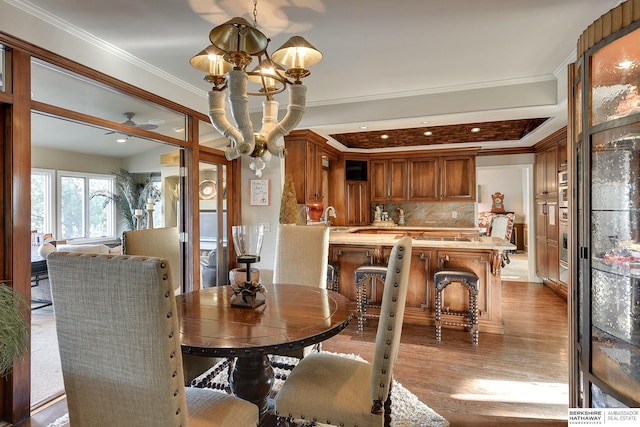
46 370
406 409
517 270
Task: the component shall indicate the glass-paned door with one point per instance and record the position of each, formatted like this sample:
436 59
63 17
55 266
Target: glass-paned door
213 225
607 216
615 262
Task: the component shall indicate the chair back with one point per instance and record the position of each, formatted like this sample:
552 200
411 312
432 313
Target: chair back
502 226
391 318
156 242
119 339
302 255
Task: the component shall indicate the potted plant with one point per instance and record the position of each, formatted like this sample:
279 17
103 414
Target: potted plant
130 195
14 328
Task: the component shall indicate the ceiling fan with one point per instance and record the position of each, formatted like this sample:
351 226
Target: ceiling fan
130 122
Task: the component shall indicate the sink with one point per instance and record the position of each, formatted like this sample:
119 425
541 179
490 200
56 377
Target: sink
444 239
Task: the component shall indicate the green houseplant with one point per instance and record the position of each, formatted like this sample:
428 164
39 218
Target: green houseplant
14 328
131 193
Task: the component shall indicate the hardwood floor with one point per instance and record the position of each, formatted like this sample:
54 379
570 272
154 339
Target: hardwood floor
519 378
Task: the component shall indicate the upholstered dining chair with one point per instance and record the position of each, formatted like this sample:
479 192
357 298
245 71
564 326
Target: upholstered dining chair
302 255
157 242
335 390
301 258
119 346
502 227
164 243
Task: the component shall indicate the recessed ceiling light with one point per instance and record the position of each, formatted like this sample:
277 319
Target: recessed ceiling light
428 133
475 130
178 129
425 122
385 136
156 122
364 127
121 140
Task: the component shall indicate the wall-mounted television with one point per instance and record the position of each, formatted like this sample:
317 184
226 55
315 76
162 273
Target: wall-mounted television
356 170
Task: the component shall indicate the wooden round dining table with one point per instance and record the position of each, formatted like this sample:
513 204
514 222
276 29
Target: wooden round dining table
293 317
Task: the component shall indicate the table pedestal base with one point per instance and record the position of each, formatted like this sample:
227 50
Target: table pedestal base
252 379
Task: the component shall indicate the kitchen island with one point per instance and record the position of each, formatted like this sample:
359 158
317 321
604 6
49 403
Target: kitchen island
433 247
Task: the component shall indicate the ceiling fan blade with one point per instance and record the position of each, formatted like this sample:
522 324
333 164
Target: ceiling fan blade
146 126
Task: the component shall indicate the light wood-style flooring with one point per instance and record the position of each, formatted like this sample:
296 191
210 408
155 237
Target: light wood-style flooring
516 379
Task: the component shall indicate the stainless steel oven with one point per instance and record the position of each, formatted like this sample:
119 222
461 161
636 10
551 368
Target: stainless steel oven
563 189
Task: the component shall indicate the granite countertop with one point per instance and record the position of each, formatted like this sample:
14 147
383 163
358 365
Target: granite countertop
350 236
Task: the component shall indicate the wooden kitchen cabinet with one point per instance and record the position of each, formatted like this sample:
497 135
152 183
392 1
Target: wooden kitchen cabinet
547 214
388 180
423 179
307 161
458 178
546 172
432 178
348 258
420 304
357 203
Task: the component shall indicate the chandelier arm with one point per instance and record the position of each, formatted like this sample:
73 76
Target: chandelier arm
269 116
219 120
295 111
239 101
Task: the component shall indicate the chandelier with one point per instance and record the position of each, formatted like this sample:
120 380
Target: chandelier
234 45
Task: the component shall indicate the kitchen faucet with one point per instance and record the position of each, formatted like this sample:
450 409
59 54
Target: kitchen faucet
329 211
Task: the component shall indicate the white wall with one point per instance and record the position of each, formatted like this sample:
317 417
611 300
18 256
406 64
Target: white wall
266 215
512 175
48 158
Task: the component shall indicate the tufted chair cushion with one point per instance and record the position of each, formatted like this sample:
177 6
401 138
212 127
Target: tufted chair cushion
340 391
120 346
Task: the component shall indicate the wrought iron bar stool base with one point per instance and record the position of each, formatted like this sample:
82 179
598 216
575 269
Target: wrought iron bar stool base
441 279
364 273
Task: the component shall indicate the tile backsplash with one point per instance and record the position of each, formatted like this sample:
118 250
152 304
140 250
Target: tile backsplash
434 214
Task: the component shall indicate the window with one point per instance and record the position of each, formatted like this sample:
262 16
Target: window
42 207
79 215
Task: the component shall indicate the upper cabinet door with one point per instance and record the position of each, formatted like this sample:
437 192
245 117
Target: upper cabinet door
458 177
379 175
397 180
423 179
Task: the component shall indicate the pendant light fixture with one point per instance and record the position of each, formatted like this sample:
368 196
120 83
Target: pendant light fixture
234 45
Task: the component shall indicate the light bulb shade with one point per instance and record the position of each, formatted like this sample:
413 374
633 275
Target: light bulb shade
238 35
297 53
247 239
210 60
268 75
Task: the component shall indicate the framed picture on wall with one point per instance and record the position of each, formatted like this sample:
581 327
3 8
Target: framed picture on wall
260 192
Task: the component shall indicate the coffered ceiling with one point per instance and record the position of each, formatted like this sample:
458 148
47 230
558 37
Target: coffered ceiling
507 131
395 68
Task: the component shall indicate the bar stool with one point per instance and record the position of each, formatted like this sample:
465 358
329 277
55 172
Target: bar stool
364 273
441 279
333 274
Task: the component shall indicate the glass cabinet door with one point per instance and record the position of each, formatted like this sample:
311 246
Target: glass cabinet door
615 263
607 216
